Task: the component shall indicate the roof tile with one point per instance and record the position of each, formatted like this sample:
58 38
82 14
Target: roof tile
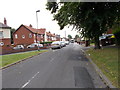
39 31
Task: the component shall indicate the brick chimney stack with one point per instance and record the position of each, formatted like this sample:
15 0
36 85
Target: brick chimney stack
30 25
5 21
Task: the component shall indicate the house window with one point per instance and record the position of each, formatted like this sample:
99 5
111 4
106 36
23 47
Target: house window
39 36
23 36
1 34
16 36
30 35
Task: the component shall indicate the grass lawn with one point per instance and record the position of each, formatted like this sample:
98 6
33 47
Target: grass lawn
107 60
9 59
92 44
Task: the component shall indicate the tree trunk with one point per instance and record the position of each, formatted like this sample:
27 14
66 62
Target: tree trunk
97 43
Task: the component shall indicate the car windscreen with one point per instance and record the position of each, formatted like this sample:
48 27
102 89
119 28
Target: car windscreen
55 42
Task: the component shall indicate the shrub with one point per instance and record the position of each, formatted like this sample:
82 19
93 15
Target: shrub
49 42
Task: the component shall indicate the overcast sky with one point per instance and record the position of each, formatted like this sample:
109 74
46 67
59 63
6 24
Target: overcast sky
19 12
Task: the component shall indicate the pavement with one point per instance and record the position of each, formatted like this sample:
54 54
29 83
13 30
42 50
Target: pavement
67 67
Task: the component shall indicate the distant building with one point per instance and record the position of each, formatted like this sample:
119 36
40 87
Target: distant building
109 31
5 35
48 36
26 35
58 37
52 37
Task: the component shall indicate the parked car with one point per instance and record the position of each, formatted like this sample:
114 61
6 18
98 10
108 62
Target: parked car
72 40
107 39
19 47
63 44
55 44
34 45
105 36
66 42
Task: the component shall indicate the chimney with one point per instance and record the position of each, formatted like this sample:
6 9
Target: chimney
5 21
30 25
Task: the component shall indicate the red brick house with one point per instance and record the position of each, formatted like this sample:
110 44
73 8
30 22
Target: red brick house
58 37
109 31
48 36
26 35
52 37
5 35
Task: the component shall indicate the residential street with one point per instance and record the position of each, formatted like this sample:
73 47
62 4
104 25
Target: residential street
61 68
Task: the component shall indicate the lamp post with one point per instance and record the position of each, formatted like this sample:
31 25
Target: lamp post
37 17
37 28
65 35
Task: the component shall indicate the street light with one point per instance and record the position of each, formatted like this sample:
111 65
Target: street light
37 28
37 17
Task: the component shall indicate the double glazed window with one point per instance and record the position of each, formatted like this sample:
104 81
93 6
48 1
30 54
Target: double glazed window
16 36
30 35
23 36
1 34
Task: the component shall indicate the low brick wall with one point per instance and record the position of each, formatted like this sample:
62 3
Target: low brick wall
2 52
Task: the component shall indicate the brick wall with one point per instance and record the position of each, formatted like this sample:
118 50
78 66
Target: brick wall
109 31
7 43
19 50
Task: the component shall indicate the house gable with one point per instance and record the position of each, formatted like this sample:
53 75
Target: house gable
24 27
23 36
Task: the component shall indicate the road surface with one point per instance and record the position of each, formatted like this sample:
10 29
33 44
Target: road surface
61 68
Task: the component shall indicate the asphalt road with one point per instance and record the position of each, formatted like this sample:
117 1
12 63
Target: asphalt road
60 68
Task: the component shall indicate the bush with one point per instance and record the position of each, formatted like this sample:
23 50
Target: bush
92 41
49 42
117 37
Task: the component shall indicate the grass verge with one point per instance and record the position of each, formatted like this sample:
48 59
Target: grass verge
9 59
107 60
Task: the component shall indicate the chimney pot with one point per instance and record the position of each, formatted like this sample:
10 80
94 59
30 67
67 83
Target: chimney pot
30 25
5 21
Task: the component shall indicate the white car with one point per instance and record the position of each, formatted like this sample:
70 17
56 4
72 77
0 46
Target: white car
34 45
63 44
56 44
66 42
19 47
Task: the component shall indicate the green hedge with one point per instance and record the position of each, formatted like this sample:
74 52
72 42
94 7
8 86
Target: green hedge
117 37
49 42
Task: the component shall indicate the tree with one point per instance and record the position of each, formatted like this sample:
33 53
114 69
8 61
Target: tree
69 37
116 31
12 30
76 37
91 19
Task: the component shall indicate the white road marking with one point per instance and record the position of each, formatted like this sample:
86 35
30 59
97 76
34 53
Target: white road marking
25 84
29 80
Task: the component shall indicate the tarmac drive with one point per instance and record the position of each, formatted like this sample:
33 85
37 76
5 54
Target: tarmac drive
61 68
